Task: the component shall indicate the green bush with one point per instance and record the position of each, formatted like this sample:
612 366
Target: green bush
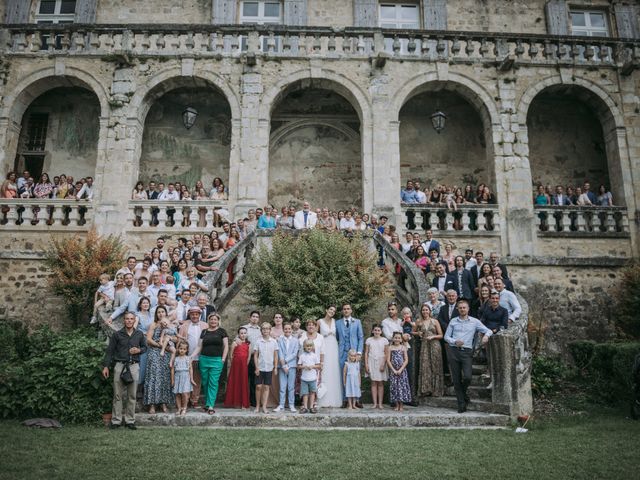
303 274
546 374
54 375
606 368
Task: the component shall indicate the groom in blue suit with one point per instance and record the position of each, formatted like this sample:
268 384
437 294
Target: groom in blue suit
350 336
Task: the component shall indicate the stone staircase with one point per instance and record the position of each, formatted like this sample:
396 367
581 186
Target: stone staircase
330 418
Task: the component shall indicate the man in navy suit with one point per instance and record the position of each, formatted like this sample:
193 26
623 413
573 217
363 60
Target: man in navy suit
460 280
560 198
430 243
350 336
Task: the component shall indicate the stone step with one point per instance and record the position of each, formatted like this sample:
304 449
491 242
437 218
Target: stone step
474 391
475 405
412 417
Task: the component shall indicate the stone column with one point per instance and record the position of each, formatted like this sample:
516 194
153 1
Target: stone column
9 135
252 172
513 176
381 164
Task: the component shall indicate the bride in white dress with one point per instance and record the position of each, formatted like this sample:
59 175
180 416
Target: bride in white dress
331 376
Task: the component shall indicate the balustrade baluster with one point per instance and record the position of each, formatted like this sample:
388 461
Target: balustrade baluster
481 221
465 220
426 220
57 215
411 215
448 226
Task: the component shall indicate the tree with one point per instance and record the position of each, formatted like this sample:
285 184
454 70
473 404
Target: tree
302 274
76 265
628 299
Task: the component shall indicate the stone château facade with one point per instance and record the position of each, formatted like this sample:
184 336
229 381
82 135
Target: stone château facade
330 101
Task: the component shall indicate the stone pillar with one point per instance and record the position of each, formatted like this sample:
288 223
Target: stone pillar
253 163
513 176
9 135
119 144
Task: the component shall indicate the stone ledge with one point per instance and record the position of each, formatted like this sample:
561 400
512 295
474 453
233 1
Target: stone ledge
535 261
412 417
22 255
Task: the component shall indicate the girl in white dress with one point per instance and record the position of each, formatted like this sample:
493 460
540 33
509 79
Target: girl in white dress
331 375
375 364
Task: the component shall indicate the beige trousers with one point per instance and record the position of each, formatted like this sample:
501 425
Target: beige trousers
120 389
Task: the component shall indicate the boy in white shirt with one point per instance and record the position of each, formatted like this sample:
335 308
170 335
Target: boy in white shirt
265 358
103 296
309 364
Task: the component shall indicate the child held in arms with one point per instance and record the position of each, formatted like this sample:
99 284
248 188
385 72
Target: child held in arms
103 296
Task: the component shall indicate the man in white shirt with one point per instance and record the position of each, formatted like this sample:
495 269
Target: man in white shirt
183 306
170 195
392 323
421 197
305 218
86 192
191 330
129 267
509 301
469 260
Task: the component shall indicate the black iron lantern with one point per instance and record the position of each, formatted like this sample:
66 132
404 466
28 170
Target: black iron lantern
438 121
189 117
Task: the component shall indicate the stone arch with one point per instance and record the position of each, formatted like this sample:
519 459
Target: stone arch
468 88
40 81
605 111
31 88
208 150
607 106
469 160
172 78
284 130
324 79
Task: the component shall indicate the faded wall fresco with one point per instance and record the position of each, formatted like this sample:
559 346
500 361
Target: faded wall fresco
454 157
317 163
315 151
170 152
72 132
566 145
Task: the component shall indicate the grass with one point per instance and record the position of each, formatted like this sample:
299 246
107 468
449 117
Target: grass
603 446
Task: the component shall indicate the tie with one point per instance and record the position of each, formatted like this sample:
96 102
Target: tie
305 218
347 323
450 311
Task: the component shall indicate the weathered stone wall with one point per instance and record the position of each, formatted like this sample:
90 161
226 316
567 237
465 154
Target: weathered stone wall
525 16
567 303
330 13
24 282
157 11
72 132
561 155
170 152
456 157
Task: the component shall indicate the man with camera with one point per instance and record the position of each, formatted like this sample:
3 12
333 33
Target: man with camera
123 353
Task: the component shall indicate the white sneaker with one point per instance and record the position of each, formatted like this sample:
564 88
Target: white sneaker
94 320
278 409
293 409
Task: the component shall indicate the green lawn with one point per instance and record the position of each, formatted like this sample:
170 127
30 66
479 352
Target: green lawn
587 447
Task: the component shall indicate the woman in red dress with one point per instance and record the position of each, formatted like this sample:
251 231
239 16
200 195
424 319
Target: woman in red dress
237 394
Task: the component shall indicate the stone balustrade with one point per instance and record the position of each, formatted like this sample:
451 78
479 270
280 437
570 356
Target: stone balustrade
192 215
467 219
572 220
500 49
225 282
45 214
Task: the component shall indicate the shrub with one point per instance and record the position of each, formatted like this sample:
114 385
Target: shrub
76 265
55 375
546 374
628 301
606 368
303 274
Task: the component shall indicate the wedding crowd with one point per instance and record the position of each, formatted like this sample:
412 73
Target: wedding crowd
573 195
447 195
174 346
61 187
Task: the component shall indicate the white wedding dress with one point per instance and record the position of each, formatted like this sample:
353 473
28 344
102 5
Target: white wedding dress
331 376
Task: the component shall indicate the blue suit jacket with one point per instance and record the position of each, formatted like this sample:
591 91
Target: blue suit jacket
348 339
290 355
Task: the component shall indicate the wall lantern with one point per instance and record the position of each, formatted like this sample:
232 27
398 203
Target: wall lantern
438 121
189 117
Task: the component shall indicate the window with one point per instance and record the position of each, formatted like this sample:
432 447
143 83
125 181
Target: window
56 11
36 137
399 15
590 23
261 13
